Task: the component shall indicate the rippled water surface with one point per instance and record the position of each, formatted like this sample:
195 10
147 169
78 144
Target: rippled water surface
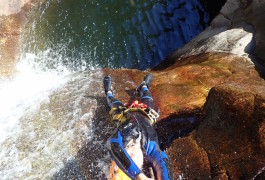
99 33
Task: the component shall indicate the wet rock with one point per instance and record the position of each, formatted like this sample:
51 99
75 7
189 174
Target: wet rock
243 89
188 159
9 7
232 132
62 137
229 142
70 130
13 16
185 85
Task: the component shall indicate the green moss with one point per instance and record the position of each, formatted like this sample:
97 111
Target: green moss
214 64
173 106
207 89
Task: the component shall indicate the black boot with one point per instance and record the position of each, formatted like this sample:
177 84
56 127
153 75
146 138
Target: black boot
146 82
107 84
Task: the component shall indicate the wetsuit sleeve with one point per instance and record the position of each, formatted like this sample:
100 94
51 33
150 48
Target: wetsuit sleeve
159 160
121 157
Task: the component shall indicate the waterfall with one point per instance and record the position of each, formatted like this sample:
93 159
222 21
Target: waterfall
23 93
48 123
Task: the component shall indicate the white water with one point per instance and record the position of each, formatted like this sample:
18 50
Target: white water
46 119
21 95
25 92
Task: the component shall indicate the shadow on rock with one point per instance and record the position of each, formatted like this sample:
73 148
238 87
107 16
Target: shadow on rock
176 126
71 170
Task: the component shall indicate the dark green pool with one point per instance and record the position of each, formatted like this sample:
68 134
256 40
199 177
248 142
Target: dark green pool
80 34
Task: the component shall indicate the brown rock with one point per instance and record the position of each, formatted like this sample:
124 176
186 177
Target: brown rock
229 142
10 30
232 133
188 160
8 7
222 139
184 85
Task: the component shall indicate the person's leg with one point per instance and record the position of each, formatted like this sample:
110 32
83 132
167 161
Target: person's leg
111 100
145 94
146 97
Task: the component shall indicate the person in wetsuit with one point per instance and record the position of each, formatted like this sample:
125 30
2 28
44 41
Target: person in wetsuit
135 140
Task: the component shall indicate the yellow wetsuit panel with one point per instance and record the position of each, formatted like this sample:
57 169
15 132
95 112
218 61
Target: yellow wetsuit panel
116 173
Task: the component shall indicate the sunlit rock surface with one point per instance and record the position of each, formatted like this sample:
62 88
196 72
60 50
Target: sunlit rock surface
223 138
65 137
238 29
9 7
228 32
12 19
231 132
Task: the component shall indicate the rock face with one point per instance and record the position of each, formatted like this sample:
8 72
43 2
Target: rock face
212 122
228 32
255 13
232 132
238 29
189 160
9 7
228 140
12 19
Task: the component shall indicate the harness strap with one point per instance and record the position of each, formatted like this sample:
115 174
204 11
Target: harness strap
119 114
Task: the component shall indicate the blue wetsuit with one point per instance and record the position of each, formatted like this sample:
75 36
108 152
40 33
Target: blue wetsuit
137 124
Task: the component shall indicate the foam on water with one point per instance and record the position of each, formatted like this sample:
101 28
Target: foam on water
52 130
22 96
24 93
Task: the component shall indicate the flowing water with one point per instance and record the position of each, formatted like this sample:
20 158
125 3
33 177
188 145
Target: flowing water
53 113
